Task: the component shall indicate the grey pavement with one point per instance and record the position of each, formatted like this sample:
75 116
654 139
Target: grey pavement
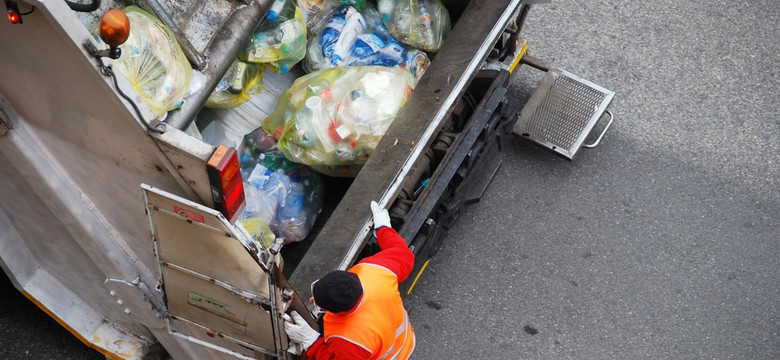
660 243
27 333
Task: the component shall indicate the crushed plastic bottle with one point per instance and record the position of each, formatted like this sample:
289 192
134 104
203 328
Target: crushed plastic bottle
303 203
293 203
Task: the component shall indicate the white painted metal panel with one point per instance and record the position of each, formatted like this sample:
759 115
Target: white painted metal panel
214 278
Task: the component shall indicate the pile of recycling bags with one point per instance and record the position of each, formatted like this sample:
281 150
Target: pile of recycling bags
362 65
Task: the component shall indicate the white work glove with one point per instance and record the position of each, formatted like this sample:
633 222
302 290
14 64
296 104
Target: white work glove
381 217
299 331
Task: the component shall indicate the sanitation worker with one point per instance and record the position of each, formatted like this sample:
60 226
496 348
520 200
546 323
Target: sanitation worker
364 315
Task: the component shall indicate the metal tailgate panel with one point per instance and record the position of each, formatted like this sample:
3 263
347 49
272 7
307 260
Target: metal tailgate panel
216 290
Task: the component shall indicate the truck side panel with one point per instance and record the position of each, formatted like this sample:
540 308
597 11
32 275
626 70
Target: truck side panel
412 131
71 166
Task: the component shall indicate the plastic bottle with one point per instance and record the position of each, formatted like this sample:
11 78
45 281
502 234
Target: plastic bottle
424 35
259 176
259 204
248 164
293 223
277 187
315 109
353 26
293 204
275 10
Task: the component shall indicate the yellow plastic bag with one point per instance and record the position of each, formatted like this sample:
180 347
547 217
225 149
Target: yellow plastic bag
335 117
241 81
153 62
261 233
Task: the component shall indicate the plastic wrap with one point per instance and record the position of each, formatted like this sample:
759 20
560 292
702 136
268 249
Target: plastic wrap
336 117
311 8
353 35
286 195
240 82
280 39
153 62
260 232
423 24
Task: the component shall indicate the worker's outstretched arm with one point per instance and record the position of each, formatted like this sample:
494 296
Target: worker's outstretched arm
395 254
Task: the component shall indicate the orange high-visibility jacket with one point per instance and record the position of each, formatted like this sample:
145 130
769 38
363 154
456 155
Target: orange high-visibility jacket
379 323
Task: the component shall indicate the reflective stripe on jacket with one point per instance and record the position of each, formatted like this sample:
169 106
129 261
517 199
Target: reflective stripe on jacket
379 322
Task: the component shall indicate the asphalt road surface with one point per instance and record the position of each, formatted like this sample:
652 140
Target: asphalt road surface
660 243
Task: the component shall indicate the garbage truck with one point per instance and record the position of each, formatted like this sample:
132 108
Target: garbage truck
120 223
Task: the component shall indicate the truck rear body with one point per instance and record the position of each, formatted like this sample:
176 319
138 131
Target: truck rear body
75 232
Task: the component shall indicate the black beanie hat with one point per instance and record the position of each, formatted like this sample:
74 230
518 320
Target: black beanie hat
337 291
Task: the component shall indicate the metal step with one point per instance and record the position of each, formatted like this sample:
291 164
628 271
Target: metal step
562 112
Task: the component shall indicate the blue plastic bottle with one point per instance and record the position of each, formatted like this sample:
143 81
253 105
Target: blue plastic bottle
293 204
275 10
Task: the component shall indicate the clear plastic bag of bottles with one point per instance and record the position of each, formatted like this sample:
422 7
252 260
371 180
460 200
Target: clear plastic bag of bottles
280 38
286 195
423 24
335 117
353 35
153 62
240 82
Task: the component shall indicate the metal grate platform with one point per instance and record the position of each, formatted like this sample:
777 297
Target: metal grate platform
562 111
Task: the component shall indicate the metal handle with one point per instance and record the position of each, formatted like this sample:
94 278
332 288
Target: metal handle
611 117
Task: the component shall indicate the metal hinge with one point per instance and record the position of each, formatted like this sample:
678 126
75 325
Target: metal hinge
128 293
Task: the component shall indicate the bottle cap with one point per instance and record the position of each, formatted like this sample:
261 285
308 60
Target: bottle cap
313 102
